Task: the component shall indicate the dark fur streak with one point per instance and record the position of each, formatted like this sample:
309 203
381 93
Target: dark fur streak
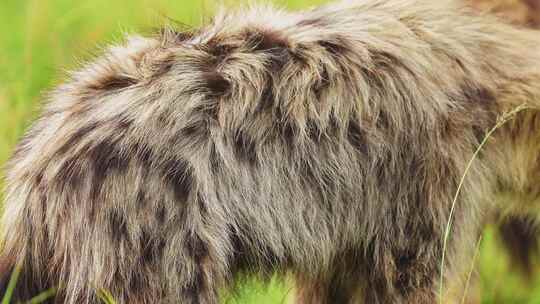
76 137
104 157
244 147
318 22
161 67
141 199
278 60
214 159
161 215
482 101
332 47
195 129
314 131
70 174
520 236
178 176
196 248
322 83
480 95
219 50
288 133
145 156
113 82
357 137
198 251
216 84
118 225
267 99
151 247
265 41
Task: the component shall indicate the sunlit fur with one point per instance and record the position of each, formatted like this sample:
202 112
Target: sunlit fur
519 12
326 144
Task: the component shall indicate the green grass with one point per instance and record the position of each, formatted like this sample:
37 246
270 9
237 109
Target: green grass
40 39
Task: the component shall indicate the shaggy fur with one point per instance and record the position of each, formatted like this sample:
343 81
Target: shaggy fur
520 12
326 144
519 234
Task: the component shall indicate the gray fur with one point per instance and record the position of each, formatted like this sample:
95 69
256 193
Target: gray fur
326 144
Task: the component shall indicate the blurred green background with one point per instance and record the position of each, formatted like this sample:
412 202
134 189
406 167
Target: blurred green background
41 39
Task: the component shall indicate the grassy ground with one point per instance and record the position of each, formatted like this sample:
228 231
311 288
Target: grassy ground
42 38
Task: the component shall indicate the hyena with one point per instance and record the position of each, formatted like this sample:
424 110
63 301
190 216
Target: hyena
327 145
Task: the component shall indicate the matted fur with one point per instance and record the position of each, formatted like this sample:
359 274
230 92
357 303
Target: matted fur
326 144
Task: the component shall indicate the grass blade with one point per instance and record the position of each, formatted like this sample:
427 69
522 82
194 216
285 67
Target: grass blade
501 121
469 275
106 297
12 284
42 297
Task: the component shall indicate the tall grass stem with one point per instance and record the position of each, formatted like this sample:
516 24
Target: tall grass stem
500 122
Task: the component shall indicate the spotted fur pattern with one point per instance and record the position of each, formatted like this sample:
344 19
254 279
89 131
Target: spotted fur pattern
326 144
